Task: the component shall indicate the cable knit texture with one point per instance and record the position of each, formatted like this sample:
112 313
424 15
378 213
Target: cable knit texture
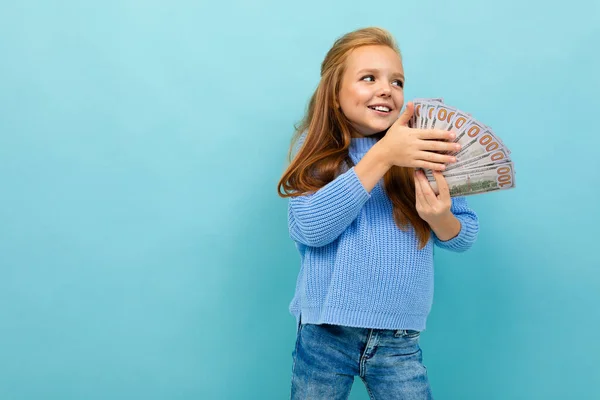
357 267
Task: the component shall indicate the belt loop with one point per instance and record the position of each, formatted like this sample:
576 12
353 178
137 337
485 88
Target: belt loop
399 332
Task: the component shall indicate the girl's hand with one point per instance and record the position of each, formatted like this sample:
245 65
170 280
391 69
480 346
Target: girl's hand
417 148
431 208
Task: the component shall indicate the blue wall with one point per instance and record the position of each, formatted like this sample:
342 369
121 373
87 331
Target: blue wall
144 252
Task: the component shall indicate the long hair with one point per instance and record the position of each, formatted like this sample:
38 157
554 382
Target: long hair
328 136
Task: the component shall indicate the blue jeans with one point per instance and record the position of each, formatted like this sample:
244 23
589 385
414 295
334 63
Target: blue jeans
328 357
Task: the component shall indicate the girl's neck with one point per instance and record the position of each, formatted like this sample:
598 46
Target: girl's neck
360 145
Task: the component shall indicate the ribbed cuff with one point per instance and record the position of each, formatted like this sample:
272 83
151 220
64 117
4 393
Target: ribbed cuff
356 186
465 238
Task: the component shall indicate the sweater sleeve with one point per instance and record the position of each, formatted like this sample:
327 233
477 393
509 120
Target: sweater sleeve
319 218
469 227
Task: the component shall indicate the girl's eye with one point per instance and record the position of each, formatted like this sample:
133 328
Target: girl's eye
371 78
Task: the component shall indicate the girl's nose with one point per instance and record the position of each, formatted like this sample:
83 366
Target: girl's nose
385 90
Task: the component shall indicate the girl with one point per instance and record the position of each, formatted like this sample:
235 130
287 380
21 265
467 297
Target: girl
365 223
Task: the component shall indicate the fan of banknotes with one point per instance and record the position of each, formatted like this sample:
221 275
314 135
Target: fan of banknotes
482 164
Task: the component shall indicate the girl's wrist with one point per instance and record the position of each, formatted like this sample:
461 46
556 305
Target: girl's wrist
383 154
372 167
445 226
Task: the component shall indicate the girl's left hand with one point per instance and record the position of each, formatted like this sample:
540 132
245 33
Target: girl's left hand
432 208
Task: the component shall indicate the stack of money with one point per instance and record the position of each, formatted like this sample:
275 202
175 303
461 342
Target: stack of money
482 164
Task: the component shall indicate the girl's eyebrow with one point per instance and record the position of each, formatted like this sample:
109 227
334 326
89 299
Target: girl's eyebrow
375 70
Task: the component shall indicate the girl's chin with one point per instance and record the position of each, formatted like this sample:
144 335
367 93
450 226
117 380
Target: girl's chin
372 129
380 128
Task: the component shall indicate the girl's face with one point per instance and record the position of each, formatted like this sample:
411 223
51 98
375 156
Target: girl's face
374 77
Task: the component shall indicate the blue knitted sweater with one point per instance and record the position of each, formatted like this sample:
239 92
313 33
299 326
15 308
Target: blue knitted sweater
357 267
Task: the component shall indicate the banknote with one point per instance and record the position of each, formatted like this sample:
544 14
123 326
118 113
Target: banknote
498 156
467 132
416 121
477 143
493 157
483 162
423 108
442 117
466 182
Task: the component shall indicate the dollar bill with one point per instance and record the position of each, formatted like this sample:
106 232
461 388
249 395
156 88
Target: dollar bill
416 118
416 121
442 116
483 164
422 111
426 108
472 181
430 113
492 157
467 132
478 141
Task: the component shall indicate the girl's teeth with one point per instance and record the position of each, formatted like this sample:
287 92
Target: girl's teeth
384 109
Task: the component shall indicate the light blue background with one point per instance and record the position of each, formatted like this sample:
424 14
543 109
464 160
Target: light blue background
144 252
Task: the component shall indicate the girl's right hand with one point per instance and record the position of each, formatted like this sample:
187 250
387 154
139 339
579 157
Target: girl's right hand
417 148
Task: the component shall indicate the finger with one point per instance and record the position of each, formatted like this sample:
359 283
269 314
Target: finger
428 197
439 134
427 190
435 157
407 114
419 192
437 145
442 184
429 165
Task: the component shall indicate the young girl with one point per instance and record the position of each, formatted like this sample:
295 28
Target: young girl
365 223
